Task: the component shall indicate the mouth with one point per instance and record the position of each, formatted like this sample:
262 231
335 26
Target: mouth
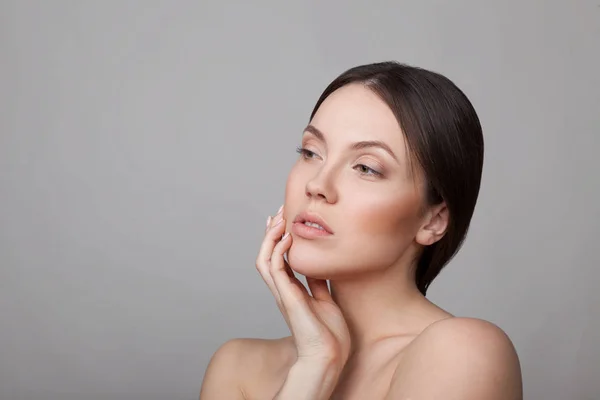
313 221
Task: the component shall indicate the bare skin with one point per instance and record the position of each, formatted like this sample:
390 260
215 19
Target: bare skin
372 335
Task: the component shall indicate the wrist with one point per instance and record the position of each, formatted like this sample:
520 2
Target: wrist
309 380
318 367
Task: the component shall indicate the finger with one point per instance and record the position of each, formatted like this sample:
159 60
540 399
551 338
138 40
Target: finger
319 289
272 237
277 214
293 279
292 292
279 267
301 319
288 270
263 259
278 217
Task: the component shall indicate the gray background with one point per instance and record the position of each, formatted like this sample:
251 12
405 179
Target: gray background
143 144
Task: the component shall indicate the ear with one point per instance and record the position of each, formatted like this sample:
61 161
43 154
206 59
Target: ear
435 224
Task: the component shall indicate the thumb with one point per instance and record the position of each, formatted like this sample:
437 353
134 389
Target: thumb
319 289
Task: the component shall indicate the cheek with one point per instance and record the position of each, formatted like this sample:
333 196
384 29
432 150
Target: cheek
384 215
294 194
294 184
381 230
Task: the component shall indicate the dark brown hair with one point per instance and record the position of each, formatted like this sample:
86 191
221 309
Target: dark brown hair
443 136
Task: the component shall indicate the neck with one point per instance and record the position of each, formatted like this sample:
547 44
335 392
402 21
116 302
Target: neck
380 305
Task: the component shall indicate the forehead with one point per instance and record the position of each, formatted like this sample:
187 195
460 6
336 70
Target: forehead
355 113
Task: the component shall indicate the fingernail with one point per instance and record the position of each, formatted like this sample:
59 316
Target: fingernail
268 221
285 236
278 222
280 208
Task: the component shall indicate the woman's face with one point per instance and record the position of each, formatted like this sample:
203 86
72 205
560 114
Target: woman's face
355 175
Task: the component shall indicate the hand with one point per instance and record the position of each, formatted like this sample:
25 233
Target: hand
316 323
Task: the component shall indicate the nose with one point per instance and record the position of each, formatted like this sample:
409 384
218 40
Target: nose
321 187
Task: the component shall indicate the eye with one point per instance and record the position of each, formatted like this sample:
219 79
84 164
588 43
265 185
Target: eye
305 153
364 170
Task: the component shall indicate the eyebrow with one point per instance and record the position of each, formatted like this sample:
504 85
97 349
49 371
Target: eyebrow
355 146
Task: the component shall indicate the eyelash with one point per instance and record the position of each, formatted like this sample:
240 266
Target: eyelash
307 155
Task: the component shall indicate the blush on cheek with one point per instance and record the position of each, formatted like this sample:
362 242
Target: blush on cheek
391 218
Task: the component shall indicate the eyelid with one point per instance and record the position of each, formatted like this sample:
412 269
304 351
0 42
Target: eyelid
377 165
308 142
312 150
305 153
307 145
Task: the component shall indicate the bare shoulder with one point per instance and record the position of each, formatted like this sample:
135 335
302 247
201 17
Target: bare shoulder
459 358
242 368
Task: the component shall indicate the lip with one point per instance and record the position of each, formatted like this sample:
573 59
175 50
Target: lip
306 216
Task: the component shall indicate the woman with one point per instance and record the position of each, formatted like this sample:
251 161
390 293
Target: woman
378 202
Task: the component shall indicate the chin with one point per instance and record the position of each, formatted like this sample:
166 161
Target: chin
309 262
318 263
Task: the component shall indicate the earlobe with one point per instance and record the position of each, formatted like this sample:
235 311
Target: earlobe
426 237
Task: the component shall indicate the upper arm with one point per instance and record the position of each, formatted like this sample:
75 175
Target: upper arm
459 358
221 379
